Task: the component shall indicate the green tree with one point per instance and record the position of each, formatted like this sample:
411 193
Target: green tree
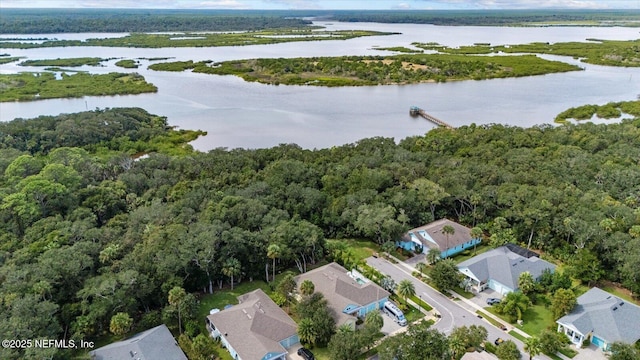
274 252
533 346
476 233
623 351
120 324
586 267
433 256
388 247
286 287
231 268
388 284
563 302
406 289
307 331
445 275
177 296
514 305
448 230
418 342
307 287
345 345
526 283
552 341
457 346
508 351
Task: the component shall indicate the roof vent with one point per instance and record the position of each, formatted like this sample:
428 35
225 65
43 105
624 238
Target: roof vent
615 308
609 297
621 304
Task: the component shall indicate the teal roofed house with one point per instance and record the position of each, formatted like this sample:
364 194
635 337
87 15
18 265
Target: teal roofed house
431 236
255 329
349 294
603 319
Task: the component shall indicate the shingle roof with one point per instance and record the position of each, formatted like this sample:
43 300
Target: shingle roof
341 290
255 326
434 230
607 316
155 343
504 266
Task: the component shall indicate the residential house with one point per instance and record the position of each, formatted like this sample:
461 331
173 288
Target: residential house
349 294
255 329
602 317
155 343
431 236
499 269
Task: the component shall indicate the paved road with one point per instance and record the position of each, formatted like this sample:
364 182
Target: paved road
453 314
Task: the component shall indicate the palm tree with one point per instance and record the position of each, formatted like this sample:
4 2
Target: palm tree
514 305
433 256
448 230
388 247
457 346
307 287
177 296
406 289
231 268
476 233
273 252
526 282
374 320
533 346
306 331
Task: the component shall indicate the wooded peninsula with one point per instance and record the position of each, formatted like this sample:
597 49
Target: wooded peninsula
44 85
375 70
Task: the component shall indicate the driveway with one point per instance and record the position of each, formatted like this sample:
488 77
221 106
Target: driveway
454 313
481 298
389 326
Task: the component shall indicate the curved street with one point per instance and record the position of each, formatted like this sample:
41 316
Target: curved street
454 313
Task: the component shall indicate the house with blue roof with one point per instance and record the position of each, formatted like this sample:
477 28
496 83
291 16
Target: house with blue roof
431 236
602 318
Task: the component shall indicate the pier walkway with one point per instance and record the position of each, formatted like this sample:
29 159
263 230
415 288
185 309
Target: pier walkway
416 111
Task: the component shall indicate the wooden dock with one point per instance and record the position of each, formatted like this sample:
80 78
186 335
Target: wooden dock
416 111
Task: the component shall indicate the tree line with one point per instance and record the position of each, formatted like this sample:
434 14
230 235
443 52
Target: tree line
53 21
87 232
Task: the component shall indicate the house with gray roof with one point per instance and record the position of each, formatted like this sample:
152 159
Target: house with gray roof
500 268
255 329
602 317
152 344
349 293
431 236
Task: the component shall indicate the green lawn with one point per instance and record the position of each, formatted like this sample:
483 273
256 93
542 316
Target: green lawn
360 248
517 335
536 319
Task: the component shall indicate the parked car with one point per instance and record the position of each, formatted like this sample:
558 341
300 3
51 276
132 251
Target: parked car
498 341
493 301
306 354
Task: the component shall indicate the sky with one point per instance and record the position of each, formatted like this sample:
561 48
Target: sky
327 4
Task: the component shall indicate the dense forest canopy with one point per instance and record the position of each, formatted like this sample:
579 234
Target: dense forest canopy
495 17
50 21
86 232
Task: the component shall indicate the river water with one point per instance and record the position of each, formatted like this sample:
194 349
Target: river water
250 115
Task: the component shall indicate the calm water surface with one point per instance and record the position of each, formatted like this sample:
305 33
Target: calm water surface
240 114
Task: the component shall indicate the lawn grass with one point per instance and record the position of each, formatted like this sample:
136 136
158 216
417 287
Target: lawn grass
494 322
465 294
421 302
535 320
517 335
360 248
